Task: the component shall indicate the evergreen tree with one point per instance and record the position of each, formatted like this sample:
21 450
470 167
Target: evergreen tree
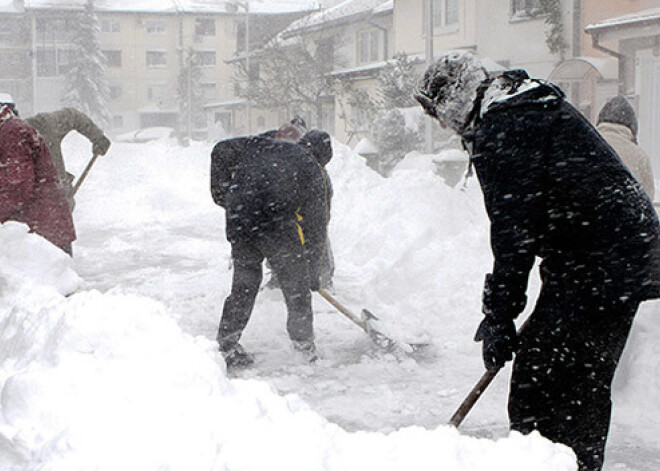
189 92
86 86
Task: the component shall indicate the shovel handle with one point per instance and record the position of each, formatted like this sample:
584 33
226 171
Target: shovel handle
474 395
471 399
340 307
84 174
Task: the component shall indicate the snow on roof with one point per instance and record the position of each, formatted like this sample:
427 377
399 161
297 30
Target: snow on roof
168 6
155 6
652 14
282 6
341 11
11 6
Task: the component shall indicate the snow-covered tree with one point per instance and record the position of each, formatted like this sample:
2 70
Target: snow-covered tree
393 136
86 87
396 82
189 91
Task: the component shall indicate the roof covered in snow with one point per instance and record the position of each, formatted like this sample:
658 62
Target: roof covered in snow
644 16
164 6
344 11
11 6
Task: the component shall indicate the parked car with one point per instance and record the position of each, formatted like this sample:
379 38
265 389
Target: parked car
147 134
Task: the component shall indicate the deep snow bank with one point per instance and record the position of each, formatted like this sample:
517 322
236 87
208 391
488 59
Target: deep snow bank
109 381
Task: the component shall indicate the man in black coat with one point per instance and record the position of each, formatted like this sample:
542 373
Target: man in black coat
275 198
553 189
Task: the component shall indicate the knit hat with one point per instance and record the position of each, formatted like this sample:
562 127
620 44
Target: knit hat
449 87
619 111
319 144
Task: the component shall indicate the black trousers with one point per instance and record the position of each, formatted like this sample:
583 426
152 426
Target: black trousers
284 251
563 372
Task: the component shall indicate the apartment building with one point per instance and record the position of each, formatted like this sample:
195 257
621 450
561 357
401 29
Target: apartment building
147 46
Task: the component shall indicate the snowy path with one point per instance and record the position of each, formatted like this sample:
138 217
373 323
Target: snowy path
180 257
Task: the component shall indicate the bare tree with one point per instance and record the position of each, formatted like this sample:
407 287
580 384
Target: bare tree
290 75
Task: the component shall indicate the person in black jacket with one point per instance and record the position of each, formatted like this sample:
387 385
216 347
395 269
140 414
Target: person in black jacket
275 197
553 189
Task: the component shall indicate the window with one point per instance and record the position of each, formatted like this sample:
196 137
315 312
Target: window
445 13
205 58
46 63
156 58
53 30
156 93
115 92
7 28
208 90
65 60
110 26
53 62
156 26
369 46
525 8
113 58
205 27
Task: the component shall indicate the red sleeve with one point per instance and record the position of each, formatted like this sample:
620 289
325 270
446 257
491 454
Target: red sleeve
16 170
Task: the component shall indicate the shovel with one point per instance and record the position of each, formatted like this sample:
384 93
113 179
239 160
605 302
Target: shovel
365 322
84 175
474 395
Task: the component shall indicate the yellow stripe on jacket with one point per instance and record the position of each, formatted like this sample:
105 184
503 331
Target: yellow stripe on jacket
301 234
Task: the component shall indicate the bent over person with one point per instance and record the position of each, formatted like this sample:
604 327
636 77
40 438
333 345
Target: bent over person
553 189
274 196
54 126
30 191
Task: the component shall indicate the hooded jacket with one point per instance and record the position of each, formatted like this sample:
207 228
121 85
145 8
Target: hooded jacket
554 189
55 126
30 191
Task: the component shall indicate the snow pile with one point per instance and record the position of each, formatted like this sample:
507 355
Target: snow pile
109 381
30 261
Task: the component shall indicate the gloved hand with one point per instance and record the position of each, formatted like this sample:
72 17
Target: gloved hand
500 342
101 146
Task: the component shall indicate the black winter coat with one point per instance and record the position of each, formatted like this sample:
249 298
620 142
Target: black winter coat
271 186
553 188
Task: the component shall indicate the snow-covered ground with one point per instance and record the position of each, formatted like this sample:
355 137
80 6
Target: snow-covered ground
124 374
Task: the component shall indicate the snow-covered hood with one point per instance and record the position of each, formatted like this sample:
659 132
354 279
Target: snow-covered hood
450 87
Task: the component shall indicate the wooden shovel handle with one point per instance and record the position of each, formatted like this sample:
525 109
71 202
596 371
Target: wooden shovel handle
340 307
474 395
84 174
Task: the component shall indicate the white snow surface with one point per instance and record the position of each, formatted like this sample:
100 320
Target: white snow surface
125 373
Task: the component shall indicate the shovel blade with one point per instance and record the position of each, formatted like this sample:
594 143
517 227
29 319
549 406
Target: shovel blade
379 338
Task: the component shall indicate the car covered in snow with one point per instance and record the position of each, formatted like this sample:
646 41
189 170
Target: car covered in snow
147 134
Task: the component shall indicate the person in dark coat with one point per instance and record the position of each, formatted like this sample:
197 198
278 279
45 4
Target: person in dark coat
30 191
553 189
275 198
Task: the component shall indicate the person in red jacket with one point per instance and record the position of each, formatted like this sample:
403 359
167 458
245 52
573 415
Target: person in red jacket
30 191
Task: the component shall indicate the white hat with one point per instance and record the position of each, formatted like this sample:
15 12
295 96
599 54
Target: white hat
6 98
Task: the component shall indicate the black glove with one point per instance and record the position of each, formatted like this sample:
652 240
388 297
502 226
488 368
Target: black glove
500 342
101 146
